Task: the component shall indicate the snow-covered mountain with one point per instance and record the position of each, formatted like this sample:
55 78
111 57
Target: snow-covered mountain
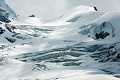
83 43
5 7
46 9
6 12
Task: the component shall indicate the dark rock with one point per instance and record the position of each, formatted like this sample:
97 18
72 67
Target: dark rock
1 30
95 9
4 19
56 78
10 39
117 75
102 35
32 16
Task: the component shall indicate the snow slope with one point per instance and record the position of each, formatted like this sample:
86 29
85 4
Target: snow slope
46 9
5 6
64 49
75 14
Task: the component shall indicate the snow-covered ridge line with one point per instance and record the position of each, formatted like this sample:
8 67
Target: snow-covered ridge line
75 14
73 45
6 7
6 12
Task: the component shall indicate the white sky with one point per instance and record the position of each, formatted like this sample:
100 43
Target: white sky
53 8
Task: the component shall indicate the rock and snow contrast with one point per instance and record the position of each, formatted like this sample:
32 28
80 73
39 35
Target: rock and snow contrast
80 44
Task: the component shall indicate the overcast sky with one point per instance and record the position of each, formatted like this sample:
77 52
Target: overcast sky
54 8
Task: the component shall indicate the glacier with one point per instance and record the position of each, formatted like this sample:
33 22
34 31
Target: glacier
75 43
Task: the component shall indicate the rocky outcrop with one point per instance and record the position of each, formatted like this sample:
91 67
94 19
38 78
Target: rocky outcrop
11 40
4 16
106 27
98 31
1 30
102 35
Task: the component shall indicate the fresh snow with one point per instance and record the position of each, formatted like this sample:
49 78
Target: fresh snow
33 48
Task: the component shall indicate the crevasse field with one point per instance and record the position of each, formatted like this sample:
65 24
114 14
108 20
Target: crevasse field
60 40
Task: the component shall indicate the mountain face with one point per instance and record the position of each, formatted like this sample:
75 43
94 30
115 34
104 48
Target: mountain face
83 44
5 12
